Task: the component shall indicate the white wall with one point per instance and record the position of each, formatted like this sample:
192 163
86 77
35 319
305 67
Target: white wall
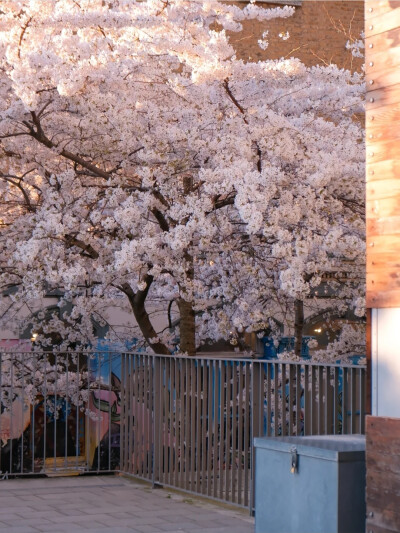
385 340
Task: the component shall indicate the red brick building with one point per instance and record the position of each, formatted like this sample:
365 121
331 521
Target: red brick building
318 33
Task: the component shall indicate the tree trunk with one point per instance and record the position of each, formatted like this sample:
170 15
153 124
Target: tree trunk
187 327
298 326
137 301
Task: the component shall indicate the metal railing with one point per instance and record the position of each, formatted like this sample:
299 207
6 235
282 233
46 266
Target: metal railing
189 423
182 422
56 411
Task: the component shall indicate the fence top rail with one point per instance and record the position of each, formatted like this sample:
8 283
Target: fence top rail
240 358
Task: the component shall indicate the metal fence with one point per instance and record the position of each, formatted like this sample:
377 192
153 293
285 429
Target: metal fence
182 422
190 423
53 408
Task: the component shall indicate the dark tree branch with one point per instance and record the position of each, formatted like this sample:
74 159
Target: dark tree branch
40 136
87 249
137 301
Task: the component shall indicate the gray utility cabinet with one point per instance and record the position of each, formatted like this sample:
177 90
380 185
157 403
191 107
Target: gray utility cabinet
310 484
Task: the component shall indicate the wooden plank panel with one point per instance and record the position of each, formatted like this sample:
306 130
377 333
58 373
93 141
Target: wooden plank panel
383 190
382 299
383 207
378 264
378 8
380 58
383 474
384 115
383 170
383 51
383 226
382 78
381 124
381 16
383 150
382 285
377 98
387 133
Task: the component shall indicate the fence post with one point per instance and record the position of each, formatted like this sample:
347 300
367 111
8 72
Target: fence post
256 419
122 415
157 420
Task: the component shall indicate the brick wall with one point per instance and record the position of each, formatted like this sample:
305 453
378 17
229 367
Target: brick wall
318 33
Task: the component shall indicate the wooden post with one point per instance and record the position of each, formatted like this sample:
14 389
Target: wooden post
382 27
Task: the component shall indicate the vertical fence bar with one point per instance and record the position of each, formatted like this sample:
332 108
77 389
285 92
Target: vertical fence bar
344 400
284 425
336 402
140 414
1 406
55 417
44 412
210 426
291 403
127 412
10 401
182 414
307 409
235 454
247 428
77 392
330 411
172 424
354 414
325 399
145 471
362 400
314 401
32 408
136 408
320 373
156 421
257 406
298 373
204 428
199 451
66 451
134 435
22 401
222 428
87 414
178 416
110 398
97 419
215 447
193 442
122 416
269 399
186 423
150 396
228 416
166 418
275 367
161 419
241 399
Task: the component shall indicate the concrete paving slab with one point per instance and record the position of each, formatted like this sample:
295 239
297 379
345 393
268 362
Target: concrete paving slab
112 504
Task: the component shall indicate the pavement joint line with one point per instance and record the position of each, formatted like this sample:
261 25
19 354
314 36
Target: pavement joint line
83 488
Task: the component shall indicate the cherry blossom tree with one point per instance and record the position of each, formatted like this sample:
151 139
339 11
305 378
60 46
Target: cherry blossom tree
143 165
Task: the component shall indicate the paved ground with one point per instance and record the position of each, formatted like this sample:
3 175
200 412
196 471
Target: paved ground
109 503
